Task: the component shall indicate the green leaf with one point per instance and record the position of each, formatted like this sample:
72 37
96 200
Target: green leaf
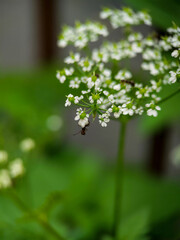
135 226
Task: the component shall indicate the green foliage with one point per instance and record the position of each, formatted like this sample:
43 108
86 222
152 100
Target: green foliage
79 190
27 100
70 188
135 226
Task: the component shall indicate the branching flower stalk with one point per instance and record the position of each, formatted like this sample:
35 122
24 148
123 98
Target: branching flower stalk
106 89
10 172
41 219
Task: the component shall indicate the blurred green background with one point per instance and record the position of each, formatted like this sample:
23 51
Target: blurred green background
69 180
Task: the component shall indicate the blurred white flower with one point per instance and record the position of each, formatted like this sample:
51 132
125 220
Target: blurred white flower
27 144
3 156
123 75
152 109
16 168
175 53
104 119
5 179
54 123
173 78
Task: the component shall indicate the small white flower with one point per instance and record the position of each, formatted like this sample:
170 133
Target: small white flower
99 56
77 99
91 99
155 97
153 109
175 53
27 144
16 168
85 91
154 69
150 54
143 92
152 112
111 98
106 72
3 156
135 37
78 113
145 17
117 111
60 77
128 109
74 83
123 75
81 41
137 47
72 58
69 100
139 111
172 78
83 122
117 87
86 65
106 93
106 13
104 119
69 71
62 43
82 117
156 86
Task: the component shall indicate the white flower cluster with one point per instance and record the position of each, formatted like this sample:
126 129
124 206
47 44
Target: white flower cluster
3 157
9 170
82 34
82 117
105 88
158 64
125 17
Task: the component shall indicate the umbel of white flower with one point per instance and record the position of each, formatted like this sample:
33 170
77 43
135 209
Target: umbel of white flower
107 89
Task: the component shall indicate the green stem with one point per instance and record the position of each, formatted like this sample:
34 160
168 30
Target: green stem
82 105
170 96
17 200
119 182
49 228
41 220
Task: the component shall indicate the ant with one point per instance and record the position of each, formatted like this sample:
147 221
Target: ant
128 82
83 130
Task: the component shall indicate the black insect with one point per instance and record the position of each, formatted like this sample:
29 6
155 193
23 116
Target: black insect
97 75
128 82
83 130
